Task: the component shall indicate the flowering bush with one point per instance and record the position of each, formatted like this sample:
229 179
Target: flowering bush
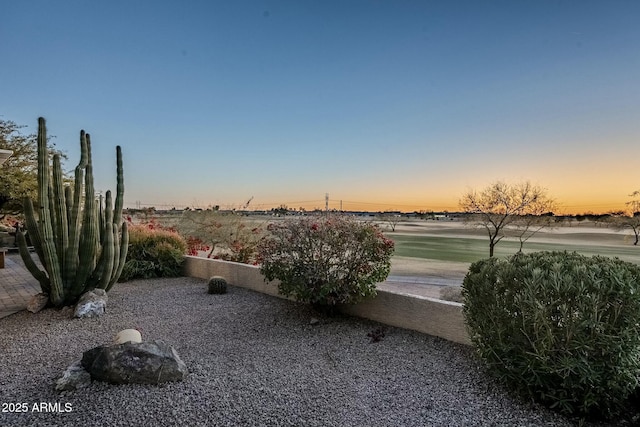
227 236
325 260
154 251
195 245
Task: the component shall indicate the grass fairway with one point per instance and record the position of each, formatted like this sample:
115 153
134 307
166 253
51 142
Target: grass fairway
465 249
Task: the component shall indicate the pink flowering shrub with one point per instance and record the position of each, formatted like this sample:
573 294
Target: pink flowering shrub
155 250
325 260
226 236
195 245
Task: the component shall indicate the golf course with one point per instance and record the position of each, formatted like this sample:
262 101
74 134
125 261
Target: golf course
447 248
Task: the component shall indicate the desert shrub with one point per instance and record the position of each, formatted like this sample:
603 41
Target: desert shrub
224 235
558 327
153 252
325 260
137 269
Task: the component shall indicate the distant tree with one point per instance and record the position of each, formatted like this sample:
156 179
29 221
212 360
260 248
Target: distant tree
525 226
597 219
392 219
629 220
425 214
501 204
19 173
281 210
634 203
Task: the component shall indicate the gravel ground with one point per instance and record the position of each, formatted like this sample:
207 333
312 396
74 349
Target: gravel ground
254 360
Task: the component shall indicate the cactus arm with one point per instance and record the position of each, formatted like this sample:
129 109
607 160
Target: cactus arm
119 230
124 247
121 244
52 211
116 255
101 221
74 224
108 251
96 266
71 250
71 255
68 198
95 218
32 228
44 218
59 212
35 271
106 259
117 209
89 232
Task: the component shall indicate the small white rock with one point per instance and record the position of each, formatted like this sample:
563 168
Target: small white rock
125 335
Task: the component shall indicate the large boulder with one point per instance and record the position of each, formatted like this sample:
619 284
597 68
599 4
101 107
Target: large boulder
151 362
91 304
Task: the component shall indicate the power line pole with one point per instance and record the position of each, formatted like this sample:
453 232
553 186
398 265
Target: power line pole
326 202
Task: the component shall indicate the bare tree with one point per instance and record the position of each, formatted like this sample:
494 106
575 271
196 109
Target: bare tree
631 219
500 205
525 226
391 218
227 234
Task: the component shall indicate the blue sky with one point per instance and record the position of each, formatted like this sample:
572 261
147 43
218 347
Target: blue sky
391 104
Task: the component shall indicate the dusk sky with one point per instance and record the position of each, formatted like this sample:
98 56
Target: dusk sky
385 105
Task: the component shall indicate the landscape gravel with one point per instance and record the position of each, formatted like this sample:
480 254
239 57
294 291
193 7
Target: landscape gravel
254 360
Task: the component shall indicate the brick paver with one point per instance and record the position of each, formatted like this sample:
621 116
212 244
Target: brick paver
17 285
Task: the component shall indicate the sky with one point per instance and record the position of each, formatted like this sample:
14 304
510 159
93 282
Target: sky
382 105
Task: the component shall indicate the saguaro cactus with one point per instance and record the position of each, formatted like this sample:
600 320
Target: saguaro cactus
80 244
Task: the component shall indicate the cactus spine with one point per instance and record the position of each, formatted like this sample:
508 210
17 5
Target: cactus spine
66 233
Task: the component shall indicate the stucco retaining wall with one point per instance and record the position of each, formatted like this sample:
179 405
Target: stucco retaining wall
237 274
428 315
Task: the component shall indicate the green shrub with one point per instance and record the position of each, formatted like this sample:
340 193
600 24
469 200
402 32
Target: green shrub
325 260
558 327
152 253
138 269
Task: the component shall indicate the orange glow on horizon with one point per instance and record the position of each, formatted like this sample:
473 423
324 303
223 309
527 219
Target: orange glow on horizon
572 207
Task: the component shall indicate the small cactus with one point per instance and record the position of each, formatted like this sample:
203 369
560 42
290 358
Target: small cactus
217 285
